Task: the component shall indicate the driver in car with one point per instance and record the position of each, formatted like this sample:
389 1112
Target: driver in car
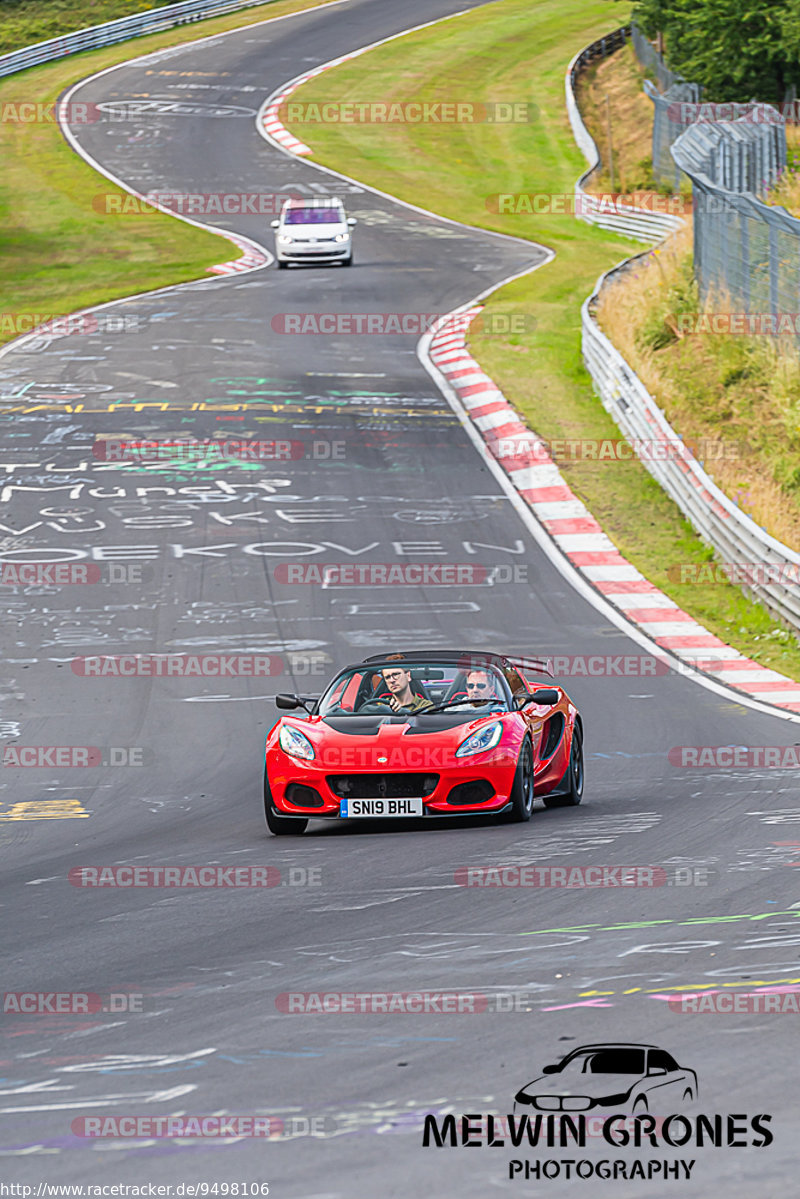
481 688
402 697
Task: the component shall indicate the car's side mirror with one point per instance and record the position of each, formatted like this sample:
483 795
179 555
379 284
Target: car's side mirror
657 1070
546 696
351 220
550 1070
290 702
274 224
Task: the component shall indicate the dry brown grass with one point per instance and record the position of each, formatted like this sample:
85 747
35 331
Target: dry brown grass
737 392
620 78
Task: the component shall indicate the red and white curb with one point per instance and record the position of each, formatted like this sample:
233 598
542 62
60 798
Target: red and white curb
268 120
253 257
579 537
570 526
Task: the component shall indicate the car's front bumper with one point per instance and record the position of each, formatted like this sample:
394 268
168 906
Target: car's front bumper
314 252
286 776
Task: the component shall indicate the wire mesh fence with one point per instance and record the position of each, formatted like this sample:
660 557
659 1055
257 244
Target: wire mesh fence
746 252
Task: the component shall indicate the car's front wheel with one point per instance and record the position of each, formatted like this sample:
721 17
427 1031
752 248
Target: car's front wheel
347 261
574 780
282 266
281 826
522 789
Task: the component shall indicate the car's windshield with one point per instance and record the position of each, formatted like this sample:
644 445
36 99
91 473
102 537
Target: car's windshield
381 688
313 216
606 1061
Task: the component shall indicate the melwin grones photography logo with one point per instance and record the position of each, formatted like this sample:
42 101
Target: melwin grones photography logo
618 1094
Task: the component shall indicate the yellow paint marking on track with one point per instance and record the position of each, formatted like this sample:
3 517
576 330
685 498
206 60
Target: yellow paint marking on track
46 809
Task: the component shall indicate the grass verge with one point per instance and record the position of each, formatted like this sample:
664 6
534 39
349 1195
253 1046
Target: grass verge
57 253
23 22
518 52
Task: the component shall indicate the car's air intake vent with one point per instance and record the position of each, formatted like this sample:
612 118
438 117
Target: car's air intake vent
552 734
469 793
378 786
303 797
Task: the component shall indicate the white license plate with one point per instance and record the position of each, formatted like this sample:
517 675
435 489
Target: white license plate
380 807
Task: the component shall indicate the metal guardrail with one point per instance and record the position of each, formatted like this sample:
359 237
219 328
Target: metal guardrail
111 32
734 536
615 214
745 251
672 114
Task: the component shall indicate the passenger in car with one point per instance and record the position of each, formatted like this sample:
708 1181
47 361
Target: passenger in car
402 695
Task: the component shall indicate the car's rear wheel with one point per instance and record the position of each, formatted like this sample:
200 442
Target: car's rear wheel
522 788
281 826
575 775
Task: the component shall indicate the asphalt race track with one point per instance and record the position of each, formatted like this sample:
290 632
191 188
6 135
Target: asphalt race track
187 566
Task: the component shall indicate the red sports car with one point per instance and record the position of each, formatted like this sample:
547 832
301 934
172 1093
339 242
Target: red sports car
420 734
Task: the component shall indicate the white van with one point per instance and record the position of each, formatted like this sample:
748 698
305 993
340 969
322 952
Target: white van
315 230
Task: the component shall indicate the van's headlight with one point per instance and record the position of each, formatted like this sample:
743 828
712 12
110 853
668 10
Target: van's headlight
295 743
482 739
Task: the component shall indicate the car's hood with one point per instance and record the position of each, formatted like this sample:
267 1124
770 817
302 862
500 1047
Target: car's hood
318 231
595 1086
391 729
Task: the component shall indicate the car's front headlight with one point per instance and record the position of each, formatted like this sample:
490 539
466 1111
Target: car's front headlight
341 237
482 739
295 743
285 237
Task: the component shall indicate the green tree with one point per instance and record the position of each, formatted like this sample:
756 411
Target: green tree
737 49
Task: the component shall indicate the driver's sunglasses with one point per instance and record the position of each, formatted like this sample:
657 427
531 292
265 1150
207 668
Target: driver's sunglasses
477 686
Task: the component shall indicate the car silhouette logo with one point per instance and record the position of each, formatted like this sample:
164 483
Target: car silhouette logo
610 1076
383 759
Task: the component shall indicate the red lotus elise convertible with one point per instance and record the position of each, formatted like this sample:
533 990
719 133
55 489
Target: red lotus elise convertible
421 734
